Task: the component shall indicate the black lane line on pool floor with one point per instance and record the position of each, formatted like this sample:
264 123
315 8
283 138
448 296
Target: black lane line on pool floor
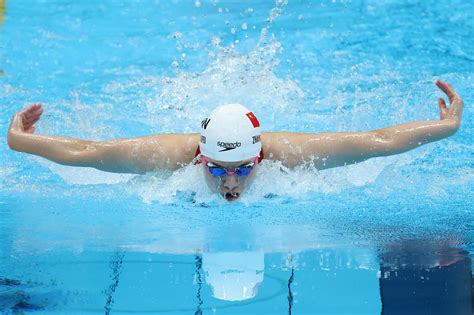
115 265
197 272
290 293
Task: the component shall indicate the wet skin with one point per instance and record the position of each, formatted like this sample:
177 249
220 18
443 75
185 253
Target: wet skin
292 149
229 186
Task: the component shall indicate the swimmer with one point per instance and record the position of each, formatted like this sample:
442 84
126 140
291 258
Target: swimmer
230 145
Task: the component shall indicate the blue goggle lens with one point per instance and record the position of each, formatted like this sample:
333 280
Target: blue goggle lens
243 171
219 171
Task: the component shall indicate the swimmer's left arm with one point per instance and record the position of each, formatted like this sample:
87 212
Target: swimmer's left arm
327 150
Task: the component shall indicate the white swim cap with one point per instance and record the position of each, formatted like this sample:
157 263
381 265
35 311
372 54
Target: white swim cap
231 133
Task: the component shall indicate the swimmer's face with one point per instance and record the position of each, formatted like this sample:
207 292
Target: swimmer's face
229 186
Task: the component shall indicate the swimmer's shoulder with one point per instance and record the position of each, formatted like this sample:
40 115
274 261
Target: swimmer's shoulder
179 138
181 147
161 151
275 144
287 147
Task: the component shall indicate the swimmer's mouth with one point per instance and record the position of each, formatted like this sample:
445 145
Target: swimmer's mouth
231 196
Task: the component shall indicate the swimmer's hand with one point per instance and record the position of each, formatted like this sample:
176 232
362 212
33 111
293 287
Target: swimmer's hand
456 104
24 120
22 125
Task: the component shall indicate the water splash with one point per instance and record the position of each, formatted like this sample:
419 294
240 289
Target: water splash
363 95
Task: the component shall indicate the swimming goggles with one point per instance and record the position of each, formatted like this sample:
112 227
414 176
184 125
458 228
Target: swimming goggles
218 171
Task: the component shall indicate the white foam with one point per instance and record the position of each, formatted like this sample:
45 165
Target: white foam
188 183
177 104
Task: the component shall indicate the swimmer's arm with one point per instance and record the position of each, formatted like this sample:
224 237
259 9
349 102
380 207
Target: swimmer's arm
138 155
327 150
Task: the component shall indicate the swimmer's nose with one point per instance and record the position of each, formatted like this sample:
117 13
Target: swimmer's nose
230 182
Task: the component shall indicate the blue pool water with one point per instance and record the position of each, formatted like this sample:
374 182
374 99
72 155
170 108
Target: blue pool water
391 235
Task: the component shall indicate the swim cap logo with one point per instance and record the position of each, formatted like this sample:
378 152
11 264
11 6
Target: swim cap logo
203 139
204 123
256 139
228 145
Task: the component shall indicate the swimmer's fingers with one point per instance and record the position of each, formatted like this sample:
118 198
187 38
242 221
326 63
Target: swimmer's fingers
447 89
31 116
456 103
443 110
25 119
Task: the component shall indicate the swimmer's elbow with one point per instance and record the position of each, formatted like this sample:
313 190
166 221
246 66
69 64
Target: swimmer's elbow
82 154
385 143
106 156
381 143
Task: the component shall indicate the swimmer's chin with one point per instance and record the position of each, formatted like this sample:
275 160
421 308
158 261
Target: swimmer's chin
231 196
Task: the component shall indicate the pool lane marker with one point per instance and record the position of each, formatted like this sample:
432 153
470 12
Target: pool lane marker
198 280
115 265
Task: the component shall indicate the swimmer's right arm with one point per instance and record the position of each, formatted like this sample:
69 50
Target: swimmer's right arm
137 155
